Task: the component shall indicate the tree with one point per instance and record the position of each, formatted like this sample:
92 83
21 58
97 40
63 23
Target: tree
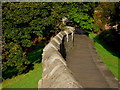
82 14
106 13
26 23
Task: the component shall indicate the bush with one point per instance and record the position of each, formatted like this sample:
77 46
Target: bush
112 39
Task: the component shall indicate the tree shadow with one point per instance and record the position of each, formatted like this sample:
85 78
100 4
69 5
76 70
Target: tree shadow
106 46
36 55
33 57
9 72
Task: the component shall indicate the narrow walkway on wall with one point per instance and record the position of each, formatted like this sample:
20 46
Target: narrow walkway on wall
82 65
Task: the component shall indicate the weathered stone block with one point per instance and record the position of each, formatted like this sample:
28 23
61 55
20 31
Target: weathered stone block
48 53
61 78
55 71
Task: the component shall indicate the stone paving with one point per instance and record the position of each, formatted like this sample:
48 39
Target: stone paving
86 66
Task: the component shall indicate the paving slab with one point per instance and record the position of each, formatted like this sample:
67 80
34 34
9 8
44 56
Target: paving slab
84 67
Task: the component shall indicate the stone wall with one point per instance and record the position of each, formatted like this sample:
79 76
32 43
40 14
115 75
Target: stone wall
55 71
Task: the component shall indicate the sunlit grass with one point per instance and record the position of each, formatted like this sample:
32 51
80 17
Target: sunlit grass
30 79
110 60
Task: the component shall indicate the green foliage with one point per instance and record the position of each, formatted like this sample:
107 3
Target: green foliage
25 22
96 28
82 13
36 72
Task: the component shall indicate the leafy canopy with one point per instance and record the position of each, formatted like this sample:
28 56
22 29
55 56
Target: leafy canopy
27 23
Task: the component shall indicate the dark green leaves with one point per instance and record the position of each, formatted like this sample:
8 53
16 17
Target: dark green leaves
24 23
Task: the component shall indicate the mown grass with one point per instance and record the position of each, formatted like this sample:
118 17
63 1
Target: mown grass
30 79
107 56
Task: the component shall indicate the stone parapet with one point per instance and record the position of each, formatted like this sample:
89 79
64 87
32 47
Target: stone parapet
56 74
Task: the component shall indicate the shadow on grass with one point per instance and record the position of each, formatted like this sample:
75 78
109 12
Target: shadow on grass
109 49
35 56
106 46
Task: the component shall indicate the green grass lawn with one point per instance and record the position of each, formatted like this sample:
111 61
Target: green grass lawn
107 56
30 79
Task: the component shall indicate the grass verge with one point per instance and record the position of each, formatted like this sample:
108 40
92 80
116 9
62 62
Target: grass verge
107 56
30 79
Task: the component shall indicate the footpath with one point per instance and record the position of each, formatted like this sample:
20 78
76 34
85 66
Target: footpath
86 66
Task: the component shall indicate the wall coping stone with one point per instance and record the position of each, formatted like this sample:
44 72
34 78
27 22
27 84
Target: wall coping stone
56 74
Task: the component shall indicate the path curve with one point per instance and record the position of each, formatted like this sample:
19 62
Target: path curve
84 66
